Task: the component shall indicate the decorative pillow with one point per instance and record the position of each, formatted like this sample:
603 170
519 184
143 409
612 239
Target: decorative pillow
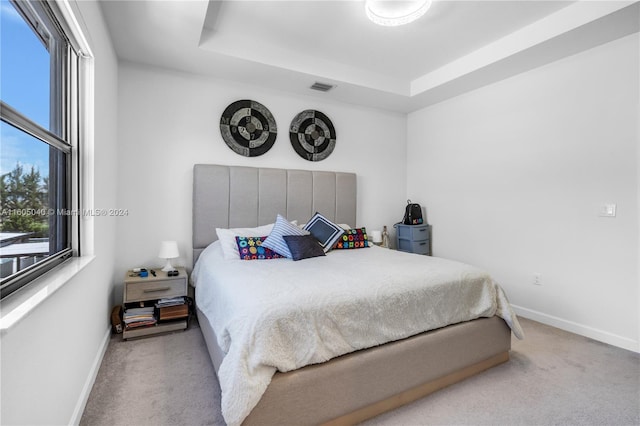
344 226
250 248
227 238
281 228
325 231
303 246
353 239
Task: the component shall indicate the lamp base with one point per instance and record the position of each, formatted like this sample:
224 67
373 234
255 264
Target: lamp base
167 266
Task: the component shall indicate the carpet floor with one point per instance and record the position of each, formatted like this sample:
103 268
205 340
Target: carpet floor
553 378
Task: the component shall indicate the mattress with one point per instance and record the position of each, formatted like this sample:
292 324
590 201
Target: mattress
280 315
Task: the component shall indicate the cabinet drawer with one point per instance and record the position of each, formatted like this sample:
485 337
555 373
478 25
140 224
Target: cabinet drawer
413 232
156 289
419 247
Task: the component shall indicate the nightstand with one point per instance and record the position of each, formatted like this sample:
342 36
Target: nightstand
144 291
413 238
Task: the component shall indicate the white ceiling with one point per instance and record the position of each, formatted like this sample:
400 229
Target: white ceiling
288 45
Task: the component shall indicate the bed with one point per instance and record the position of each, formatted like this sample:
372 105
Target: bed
293 351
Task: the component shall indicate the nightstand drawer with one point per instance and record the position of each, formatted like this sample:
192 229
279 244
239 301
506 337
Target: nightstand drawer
156 289
419 247
413 232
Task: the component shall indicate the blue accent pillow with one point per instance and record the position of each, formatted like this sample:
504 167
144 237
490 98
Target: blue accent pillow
275 241
303 246
325 231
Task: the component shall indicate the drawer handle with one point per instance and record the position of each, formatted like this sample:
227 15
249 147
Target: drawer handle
422 230
423 244
153 290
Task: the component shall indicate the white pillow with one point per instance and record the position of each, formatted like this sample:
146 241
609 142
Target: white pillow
227 238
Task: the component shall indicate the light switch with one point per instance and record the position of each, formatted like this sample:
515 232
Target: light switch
608 210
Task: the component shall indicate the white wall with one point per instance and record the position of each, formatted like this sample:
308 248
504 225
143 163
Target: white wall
48 358
169 121
513 176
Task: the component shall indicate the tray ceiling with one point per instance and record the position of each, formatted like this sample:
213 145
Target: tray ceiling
289 45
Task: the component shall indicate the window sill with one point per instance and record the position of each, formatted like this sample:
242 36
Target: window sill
20 304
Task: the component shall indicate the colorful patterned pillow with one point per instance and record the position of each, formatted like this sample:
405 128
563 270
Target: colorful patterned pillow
250 248
352 239
227 238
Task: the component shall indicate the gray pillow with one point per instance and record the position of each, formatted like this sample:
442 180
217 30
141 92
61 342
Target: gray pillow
303 246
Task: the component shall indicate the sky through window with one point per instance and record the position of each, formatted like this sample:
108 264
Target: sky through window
24 84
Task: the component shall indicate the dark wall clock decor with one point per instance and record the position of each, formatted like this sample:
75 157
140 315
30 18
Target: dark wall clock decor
312 135
248 128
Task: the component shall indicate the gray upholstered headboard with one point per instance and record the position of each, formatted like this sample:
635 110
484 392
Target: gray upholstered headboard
236 197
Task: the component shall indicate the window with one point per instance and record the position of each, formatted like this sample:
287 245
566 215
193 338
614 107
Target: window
40 112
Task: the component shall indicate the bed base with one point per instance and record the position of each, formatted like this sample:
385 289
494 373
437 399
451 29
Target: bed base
363 384
418 392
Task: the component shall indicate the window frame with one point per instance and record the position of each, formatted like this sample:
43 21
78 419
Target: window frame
70 124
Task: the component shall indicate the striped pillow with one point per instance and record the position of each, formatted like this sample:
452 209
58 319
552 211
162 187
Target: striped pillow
275 241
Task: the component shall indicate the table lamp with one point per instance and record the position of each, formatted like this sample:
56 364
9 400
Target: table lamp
376 237
168 250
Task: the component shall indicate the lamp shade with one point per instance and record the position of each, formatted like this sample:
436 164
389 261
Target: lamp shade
169 250
376 236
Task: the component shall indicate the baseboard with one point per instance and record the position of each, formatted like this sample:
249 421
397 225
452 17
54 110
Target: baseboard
582 330
91 378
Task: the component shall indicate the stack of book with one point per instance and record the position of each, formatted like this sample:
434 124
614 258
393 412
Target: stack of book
172 309
138 317
173 301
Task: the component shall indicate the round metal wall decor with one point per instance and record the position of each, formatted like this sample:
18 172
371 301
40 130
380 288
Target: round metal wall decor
248 128
312 135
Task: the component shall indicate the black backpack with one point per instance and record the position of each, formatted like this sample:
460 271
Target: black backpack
412 214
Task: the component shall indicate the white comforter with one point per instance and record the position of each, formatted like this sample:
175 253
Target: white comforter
282 315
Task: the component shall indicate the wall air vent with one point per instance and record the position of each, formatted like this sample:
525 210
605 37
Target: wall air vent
322 87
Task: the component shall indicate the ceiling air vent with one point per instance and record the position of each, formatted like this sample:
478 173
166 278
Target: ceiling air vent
322 87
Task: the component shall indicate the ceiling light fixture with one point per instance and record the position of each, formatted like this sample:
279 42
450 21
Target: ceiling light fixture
392 13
